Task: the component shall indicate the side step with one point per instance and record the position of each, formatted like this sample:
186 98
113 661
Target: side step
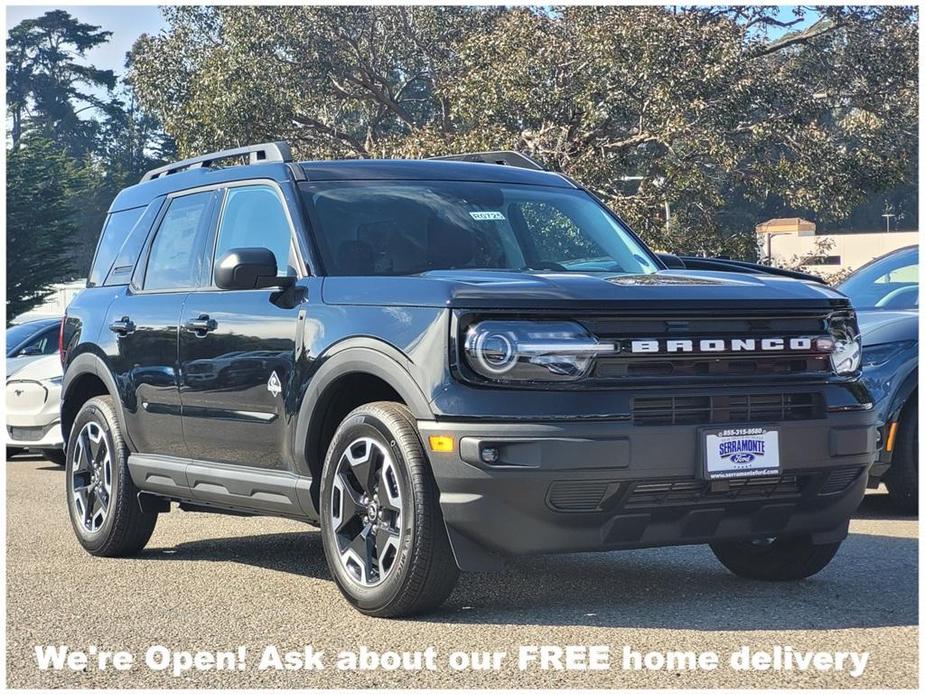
223 486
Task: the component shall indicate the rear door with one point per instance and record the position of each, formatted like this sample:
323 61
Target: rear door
145 322
237 348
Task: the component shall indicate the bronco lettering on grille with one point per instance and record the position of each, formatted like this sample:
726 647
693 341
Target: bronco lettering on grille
766 344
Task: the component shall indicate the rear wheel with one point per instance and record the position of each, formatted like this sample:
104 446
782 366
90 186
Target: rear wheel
383 533
775 559
902 479
101 498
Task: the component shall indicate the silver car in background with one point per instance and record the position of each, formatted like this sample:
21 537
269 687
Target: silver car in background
33 390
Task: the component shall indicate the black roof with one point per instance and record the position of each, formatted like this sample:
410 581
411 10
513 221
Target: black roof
428 170
338 170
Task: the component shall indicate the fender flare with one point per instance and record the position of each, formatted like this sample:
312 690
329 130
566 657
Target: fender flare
358 355
90 363
909 384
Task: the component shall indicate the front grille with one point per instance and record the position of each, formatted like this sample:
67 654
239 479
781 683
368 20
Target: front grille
727 409
701 366
680 491
28 433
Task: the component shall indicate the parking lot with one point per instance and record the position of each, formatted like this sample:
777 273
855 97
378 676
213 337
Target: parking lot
215 582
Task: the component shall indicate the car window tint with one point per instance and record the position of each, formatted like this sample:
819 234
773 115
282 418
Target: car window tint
254 217
44 343
175 261
117 229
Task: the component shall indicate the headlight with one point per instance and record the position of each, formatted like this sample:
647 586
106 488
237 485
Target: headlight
523 351
881 354
846 354
55 381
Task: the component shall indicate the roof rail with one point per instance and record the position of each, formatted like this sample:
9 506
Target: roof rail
504 158
257 154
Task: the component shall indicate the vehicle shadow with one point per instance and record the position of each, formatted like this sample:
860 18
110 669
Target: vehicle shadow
872 582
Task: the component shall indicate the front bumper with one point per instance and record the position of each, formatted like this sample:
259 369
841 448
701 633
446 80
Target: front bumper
33 418
584 486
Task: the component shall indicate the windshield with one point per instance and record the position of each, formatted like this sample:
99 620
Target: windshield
16 334
408 227
889 283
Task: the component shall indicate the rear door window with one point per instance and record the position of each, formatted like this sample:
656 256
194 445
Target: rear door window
176 259
116 231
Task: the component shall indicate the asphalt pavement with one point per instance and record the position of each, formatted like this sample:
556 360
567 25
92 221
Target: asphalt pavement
208 582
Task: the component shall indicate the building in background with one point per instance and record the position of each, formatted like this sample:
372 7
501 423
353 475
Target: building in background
55 304
792 241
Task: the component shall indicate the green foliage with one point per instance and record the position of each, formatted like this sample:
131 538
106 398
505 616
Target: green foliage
40 220
85 113
693 107
47 86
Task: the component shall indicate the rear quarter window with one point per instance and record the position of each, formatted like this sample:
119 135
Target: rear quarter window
116 232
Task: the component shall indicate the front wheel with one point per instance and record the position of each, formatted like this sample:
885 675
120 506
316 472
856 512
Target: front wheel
902 479
775 559
383 533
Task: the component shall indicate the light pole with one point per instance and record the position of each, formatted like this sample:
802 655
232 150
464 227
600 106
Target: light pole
771 236
887 216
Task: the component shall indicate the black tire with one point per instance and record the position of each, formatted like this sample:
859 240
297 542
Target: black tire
902 478
55 455
422 571
10 451
125 529
778 559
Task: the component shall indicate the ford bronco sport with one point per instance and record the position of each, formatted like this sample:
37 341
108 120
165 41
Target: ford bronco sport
441 363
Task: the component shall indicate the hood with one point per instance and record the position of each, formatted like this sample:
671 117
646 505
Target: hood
37 368
490 289
880 327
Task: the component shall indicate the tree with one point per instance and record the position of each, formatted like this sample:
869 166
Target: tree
40 220
690 111
47 88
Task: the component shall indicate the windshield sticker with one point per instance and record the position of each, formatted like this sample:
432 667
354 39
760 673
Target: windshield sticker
487 216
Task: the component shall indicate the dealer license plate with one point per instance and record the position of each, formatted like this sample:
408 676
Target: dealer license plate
742 452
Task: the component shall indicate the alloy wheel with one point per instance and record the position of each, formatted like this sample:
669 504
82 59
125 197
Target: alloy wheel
366 511
91 477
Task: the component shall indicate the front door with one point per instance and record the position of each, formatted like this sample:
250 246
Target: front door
143 325
237 348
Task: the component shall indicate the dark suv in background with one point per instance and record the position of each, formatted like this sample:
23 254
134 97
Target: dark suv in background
442 363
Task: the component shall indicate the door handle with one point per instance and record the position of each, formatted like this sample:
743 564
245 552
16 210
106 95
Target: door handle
122 327
201 326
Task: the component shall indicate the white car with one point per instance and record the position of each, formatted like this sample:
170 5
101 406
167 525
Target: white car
33 420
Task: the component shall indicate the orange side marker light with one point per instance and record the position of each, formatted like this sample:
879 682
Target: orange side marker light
891 437
441 444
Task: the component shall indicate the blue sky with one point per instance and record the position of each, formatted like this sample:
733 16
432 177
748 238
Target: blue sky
126 23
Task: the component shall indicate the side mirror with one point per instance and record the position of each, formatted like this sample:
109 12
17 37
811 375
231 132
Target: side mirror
672 262
30 351
249 268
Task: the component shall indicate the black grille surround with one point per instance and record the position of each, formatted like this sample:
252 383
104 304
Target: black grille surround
705 367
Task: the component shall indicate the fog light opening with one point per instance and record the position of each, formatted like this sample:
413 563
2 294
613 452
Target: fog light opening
490 455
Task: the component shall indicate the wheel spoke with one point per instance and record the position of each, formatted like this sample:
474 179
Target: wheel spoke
89 506
385 536
387 499
83 442
350 504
